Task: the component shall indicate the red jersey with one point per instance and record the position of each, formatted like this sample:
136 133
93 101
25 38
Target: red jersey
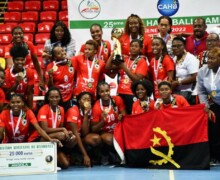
21 133
63 78
137 108
31 50
103 52
28 80
159 71
176 102
2 96
125 40
112 118
195 47
137 66
75 116
83 82
53 119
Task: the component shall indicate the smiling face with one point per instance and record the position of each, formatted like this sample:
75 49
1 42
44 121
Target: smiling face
18 35
54 98
165 92
104 92
141 92
59 32
19 63
199 28
59 53
96 33
16 104
157 47
133 24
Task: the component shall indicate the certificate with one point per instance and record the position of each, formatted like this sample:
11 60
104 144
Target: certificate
28 158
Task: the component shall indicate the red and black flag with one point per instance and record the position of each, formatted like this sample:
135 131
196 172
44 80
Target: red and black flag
170 139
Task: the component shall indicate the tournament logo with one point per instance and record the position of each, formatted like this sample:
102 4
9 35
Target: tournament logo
89 9
168 7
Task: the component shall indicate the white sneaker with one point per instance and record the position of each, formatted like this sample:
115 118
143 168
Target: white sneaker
59 168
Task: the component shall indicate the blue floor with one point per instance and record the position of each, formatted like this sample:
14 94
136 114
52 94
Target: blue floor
120 173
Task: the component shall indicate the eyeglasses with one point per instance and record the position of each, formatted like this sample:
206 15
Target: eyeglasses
177 46
211 40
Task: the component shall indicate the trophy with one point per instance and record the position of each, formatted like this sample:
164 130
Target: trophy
115 35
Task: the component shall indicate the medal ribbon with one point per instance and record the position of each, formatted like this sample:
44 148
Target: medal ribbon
14 75
90 68
100 51
134 62
196 44
101 105
15 129
156 68
54 120
166 38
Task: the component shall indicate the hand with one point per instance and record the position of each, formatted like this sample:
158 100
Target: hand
120 117
57 141
104 115
67 137
18 79
87 109
87 161
211 115
42 85
174 84
46 54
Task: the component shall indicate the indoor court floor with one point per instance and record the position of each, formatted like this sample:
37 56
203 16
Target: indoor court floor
121 173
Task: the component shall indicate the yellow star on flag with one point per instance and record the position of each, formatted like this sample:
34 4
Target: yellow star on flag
155 140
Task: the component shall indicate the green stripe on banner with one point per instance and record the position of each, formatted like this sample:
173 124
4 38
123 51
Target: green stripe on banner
119 23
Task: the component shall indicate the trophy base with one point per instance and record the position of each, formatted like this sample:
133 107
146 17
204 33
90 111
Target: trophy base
118 58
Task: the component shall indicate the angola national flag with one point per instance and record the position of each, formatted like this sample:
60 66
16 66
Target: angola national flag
170 139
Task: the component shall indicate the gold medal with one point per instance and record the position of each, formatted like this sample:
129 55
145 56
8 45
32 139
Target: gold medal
126 80
214 93
55 68
21 74
106 110
89 84
86 104
143 103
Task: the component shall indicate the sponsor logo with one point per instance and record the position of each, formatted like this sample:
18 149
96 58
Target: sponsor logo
168 7
89 9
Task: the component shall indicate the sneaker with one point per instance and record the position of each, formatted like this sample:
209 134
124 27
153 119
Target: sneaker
104 160
59 168
214 162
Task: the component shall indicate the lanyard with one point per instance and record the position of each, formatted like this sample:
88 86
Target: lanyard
134 62
156 68
109 107
17 74
54 120
196 44
100 51
15 129
213 78
166 38
90 68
